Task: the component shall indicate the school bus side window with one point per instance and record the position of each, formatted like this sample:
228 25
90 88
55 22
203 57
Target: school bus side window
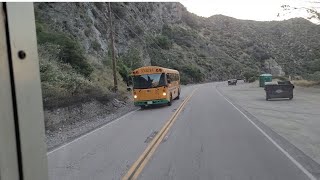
168 78
173 77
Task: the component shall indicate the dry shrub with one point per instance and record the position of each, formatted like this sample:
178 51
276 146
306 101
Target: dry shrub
306 83
62 85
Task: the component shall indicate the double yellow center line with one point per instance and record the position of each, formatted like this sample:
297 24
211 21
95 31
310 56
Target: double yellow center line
138 166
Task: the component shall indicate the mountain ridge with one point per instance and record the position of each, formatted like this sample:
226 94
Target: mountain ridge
165 34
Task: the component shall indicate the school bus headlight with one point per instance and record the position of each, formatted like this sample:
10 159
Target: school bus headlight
164 94
135 96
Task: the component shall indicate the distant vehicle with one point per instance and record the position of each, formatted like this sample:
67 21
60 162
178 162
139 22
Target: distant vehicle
155 85
232 82
280 89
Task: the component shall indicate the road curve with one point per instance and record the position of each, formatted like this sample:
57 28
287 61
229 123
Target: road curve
210 139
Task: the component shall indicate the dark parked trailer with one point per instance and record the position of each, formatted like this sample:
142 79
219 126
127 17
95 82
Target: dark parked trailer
280 90
232 82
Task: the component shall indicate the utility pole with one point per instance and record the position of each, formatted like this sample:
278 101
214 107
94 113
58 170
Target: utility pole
115 82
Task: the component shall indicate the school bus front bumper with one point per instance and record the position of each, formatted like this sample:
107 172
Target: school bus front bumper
151 102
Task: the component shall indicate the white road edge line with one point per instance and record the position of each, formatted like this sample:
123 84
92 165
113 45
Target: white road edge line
270 139
108 124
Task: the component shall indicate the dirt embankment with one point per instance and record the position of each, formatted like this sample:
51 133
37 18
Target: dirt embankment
66 123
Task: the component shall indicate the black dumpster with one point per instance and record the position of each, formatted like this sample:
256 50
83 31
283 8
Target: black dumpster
284 82
279 90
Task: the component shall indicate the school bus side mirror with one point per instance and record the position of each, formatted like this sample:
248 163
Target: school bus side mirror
129 89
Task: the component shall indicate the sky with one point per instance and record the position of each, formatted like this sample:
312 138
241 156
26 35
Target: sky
260 10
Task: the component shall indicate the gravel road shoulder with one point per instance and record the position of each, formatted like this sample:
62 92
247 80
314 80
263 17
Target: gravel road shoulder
298 120
65 132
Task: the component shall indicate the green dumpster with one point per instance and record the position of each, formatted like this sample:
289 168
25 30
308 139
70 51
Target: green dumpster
264 78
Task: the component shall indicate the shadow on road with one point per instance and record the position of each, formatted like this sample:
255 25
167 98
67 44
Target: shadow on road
156 106
275 99
279 99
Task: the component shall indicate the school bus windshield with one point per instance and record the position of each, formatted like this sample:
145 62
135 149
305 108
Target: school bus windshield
148 81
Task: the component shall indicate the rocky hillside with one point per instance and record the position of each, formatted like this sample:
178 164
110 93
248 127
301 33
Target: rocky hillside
75 55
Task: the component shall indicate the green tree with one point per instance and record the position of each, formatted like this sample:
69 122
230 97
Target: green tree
70 50
250 74
194 73
310 8
314 65
161 41
124 71
132 59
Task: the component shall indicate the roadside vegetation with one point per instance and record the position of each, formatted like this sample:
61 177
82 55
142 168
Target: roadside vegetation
306 83
75 60
67 74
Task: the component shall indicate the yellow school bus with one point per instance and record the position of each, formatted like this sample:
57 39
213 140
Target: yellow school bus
155 85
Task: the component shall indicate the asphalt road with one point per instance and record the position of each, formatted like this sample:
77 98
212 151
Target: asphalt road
209 140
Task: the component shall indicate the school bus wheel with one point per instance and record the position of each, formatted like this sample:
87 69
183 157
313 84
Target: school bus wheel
170 102
178 97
